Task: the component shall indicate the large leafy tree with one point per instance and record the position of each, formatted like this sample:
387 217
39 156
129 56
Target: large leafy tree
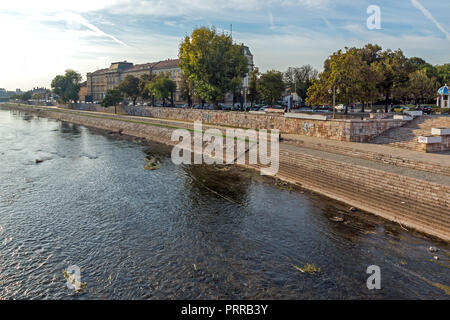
271 86
130 87
395 69
112 98
213 63
419 88
144 80
67 86
163 88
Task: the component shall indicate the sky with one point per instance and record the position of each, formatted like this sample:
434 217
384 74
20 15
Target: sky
40 39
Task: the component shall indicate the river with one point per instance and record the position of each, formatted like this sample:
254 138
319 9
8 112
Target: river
184 232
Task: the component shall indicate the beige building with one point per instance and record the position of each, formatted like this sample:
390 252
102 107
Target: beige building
101 80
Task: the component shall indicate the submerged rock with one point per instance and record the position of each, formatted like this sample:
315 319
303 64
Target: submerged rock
353 209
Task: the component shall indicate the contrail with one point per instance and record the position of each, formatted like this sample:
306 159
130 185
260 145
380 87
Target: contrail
77 18
427 14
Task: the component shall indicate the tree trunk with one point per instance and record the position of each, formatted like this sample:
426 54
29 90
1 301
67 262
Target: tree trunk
362 108
387 101
164 102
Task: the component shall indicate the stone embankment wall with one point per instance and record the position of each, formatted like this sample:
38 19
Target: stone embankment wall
414 203
335 129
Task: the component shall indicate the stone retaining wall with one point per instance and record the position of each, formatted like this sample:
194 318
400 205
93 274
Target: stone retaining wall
335 129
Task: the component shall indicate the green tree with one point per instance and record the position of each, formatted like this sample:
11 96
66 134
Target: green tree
25 96
163 88
419 87
443 74
213 63
253 84
271 86
112 98
67 86
130 87
395 69
144 80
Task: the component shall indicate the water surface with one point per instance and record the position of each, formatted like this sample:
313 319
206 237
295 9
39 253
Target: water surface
183 232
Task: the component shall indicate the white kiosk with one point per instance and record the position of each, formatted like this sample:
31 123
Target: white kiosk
442 100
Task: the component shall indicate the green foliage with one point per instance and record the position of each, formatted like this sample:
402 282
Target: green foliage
162 88
253 90
25 96
271 86
130 87
67 86
213 63
187 89
144 80
443 74
112 98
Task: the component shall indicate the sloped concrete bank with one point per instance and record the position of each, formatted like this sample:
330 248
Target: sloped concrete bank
413 200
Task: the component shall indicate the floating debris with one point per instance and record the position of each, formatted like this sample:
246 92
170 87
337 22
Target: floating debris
195 267
432 249
436 258
403 262
78 286
337 219
38 161
353 209
308 268
152 163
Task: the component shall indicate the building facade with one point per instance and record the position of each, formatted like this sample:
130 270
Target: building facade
101 80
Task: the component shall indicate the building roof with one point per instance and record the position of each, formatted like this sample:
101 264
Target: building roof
167 64
444 91
138 67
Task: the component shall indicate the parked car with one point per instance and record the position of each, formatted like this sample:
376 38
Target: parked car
425 109
197 106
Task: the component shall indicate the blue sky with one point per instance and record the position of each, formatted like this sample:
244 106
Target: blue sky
43 38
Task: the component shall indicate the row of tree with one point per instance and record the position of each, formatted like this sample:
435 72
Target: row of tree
147 87
369 73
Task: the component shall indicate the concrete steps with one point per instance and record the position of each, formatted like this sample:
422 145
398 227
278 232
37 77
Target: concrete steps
406 136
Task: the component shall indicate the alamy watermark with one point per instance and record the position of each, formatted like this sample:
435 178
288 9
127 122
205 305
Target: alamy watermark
374 20
374 281
237 146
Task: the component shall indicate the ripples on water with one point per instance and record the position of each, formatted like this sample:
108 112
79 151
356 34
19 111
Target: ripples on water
182 232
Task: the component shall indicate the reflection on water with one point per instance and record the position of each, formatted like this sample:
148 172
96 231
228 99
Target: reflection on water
183 232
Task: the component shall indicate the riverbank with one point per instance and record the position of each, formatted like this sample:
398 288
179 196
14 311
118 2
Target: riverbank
412 195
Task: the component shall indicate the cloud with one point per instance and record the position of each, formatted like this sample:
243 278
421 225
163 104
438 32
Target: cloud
70 16
427 14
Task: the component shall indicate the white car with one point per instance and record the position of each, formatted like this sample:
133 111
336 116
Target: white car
340 107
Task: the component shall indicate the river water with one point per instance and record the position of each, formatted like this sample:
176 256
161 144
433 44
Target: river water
184 232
